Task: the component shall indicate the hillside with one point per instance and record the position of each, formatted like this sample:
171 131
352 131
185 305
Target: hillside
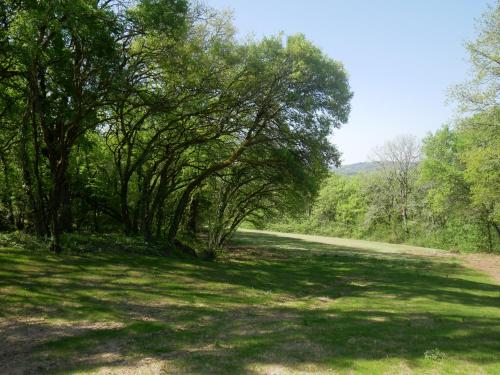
352 169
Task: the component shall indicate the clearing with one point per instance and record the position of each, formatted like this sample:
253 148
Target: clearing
274 304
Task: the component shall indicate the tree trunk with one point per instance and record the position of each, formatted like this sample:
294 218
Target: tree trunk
34 196
58 167
147 228
192 222
160 217
124 209
66 213
490 240
186 195
405 221
8 192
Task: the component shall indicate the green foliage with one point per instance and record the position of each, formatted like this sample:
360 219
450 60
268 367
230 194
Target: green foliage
21 240
129 110
481 92
442 170
341 204
481 158
434 354
152 118
166 17
461 172
450 198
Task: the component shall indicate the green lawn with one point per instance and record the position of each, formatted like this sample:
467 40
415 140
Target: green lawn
271 305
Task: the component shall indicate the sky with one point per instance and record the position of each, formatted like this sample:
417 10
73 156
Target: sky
401 57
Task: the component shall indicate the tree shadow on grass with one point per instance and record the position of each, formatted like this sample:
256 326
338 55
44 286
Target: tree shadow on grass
285 303
203 340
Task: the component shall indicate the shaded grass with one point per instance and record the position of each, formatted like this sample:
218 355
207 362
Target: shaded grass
269 305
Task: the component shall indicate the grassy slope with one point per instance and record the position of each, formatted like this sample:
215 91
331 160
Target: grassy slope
275 305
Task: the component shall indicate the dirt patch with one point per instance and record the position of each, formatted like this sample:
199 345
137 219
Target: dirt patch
252 252
22 335
487 263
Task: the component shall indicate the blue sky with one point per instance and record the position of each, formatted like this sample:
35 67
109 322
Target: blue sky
401 56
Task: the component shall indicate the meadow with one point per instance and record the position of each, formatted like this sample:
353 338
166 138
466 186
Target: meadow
270 304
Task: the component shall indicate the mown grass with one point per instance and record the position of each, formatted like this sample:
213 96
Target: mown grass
269 305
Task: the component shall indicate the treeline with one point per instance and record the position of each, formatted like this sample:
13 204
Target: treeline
444 194
150 117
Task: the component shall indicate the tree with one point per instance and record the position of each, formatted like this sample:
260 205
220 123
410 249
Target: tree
481 157
478 133
65 54
397 163
481 91
460 172
241 192
341 205
285 95
67 58
128 110
269 180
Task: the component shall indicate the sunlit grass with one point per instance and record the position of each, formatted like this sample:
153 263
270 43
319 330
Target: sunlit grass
269 305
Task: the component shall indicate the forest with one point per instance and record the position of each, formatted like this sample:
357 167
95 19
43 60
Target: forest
151 118
442 194
171 200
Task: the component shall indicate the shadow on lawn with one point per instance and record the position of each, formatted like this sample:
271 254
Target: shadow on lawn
261 305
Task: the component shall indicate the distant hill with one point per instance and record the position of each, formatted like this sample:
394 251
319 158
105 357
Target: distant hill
352 169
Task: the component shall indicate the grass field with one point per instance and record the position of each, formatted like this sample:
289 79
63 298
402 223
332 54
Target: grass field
270 305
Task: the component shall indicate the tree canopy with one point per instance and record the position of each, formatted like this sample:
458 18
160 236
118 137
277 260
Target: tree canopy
123 115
